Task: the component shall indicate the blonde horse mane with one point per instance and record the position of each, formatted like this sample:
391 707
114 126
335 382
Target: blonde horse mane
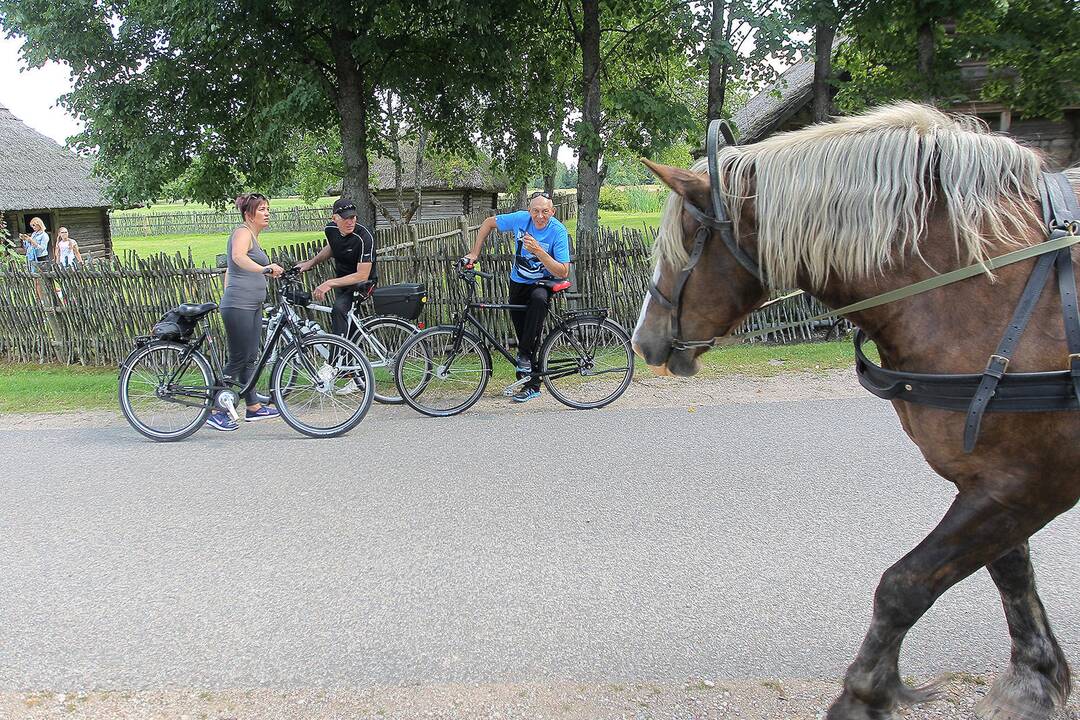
841 200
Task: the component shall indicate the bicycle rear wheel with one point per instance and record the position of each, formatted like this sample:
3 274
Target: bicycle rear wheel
380 338
442 372
329 388
589 363
164 396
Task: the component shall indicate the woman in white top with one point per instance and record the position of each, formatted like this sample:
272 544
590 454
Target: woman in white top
66 252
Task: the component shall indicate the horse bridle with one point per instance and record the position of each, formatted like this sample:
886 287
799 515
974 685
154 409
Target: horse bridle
720 221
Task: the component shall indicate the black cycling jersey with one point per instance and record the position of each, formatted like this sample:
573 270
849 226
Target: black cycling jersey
351 250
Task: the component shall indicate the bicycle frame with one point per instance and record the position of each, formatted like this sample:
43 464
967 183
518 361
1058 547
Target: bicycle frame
467 316
287 324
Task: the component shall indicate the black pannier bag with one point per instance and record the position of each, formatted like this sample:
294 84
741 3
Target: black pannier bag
173 327
405 300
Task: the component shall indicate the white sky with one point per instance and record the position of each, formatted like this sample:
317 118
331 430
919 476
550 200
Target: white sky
31 95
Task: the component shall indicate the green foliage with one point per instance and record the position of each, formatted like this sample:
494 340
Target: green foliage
631 199
1035 57
612 198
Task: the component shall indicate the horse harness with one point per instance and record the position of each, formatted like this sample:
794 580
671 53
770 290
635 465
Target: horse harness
993 389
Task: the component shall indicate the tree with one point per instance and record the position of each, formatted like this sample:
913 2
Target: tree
743 40
162 83
633 54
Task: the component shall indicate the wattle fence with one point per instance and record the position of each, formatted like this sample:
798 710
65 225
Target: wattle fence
91 315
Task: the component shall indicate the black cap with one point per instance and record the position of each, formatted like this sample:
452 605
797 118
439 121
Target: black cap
344 208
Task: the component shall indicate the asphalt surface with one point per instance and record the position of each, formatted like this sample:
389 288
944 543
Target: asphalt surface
629 543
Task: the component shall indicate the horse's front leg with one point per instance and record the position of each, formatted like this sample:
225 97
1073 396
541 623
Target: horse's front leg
1037 679
974 531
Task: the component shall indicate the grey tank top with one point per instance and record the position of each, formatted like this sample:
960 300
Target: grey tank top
245 290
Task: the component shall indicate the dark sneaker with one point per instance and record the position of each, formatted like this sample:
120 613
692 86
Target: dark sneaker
525 395
264 413
524 365
220 421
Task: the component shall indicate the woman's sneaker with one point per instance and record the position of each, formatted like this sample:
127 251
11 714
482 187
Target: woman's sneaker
264 413
220 421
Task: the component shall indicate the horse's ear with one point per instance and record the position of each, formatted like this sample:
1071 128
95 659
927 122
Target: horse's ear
690 185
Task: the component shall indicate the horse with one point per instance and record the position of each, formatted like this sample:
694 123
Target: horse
849 209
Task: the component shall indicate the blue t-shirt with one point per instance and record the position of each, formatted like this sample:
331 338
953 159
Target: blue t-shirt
553 239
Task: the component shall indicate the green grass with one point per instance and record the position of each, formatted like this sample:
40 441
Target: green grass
30 388
285 203
55 388
204 248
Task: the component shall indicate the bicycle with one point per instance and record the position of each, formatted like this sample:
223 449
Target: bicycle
380 337
585 361
168 385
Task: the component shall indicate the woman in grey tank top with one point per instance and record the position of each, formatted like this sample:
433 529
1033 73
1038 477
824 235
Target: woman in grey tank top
241 304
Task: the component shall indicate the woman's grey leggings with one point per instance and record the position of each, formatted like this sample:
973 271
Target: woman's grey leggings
243 333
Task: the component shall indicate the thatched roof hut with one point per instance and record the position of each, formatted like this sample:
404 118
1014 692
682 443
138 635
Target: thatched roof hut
43 179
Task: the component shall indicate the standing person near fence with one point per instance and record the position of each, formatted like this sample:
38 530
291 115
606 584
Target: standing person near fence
352 246
66 253
542 252
36 245
242 305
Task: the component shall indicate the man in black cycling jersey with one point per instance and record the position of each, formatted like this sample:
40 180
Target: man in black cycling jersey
352 246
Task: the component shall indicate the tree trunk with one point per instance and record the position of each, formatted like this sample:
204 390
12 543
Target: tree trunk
352 105
823 42
521 195
552 167
926 48
589 143
416 213
717 65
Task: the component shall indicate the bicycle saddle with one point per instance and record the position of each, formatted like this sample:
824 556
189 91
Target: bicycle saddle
195 311
556 286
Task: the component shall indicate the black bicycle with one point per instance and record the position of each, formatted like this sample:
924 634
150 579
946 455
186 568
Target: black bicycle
169 386
585 361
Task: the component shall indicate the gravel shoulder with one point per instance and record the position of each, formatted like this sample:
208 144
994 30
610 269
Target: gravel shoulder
752 699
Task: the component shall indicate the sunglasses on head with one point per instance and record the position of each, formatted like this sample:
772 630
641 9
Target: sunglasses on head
542 194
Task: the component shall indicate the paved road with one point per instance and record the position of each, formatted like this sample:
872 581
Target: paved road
738 541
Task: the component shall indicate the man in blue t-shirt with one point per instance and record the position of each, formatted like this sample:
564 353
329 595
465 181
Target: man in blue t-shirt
542 252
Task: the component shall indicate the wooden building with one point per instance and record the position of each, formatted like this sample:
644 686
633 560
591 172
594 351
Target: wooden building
43 179
445 192
787 105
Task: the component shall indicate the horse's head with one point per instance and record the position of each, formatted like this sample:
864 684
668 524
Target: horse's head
716 293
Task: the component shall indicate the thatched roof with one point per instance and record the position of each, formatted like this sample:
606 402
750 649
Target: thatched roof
770 108
37 173
436 176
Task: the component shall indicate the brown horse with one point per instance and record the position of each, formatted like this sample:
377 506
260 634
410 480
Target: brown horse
846 211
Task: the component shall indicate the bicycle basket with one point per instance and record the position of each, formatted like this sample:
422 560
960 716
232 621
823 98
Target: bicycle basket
173 327
296 295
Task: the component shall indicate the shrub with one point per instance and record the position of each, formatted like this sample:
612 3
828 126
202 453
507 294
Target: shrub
612 198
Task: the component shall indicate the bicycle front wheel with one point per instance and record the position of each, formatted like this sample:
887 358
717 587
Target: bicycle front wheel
588 363
442 371
380 338
164 395
323 388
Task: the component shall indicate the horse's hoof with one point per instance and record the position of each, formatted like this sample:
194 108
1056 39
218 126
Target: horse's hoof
1019 696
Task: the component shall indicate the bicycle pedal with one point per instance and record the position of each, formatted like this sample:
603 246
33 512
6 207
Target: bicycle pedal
511 389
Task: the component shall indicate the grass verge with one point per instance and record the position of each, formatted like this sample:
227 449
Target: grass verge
32 388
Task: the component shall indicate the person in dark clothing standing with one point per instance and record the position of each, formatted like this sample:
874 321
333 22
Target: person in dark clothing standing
542 252
352 246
